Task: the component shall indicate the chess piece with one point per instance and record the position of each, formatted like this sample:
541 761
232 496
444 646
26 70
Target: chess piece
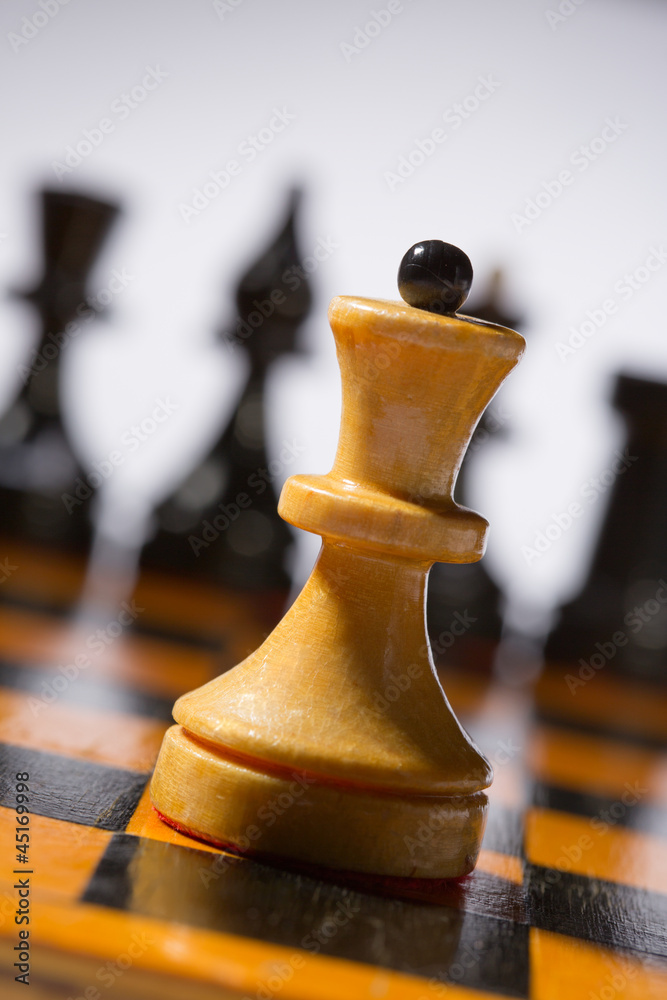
38 466
203 528
464 603
619 619
334 744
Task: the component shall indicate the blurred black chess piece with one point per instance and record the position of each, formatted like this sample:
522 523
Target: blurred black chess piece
38 467
619 619
465 605
222 524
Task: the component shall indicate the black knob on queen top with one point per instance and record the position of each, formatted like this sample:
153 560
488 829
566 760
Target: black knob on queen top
435 276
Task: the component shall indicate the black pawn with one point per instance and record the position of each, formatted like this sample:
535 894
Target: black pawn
222 522
39 470
618 622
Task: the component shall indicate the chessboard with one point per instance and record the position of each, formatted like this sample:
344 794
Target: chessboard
569 897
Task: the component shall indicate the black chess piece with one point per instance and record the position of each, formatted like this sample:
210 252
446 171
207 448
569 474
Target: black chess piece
38 467
465 604
618 621
222 522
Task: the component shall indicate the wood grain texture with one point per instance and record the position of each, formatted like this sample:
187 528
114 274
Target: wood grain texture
343 695
555 923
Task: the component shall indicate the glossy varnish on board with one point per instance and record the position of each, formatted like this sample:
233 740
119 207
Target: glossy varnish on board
561 902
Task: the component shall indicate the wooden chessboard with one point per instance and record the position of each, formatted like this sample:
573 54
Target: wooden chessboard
569 898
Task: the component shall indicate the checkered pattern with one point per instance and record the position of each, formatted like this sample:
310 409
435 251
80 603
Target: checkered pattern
472 933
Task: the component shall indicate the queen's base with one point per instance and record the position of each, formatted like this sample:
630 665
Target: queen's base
294 815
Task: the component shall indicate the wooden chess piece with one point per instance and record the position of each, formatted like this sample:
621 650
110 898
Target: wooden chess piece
203 529
619 618
38 466
334 744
